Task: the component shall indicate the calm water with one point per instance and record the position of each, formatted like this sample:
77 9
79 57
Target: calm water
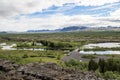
99 52
101 45
10 47
104 45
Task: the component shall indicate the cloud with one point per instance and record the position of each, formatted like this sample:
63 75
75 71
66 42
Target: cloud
16 7
107 6
96 2
116 13
57 21
11 9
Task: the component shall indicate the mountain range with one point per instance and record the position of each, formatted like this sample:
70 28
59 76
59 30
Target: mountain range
69 29
78 28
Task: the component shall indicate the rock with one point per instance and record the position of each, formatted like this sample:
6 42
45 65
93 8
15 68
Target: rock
42 71
7 65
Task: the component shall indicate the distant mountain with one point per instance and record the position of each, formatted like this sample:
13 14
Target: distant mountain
73 28
65 29
3 32
78 28
38 30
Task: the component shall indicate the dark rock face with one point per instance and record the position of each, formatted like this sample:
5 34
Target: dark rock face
41 71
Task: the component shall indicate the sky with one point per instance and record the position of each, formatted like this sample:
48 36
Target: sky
23 15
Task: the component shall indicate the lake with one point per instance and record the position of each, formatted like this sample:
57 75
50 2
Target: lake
99 52
103 45
100 45
5 46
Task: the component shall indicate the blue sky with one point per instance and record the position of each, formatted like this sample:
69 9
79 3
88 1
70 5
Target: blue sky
71 9
17 15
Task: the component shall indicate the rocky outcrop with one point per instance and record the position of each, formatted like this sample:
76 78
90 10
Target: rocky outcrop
41 71
7 65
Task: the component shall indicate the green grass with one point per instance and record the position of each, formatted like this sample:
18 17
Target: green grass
38 59
32 56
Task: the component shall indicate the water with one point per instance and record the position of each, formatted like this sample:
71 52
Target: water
10 47
103 45
100 52
3 44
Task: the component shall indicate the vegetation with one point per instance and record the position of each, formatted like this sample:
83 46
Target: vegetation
56 44
109 75
75 64
83 36
89 56
92 65
24 57
102 49
101 65
109 69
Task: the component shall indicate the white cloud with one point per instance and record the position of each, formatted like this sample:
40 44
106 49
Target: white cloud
11 8
110 6
116 13
57 21
17 7
96 2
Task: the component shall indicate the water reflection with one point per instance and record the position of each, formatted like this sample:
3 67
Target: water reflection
103 45
4 46
99 52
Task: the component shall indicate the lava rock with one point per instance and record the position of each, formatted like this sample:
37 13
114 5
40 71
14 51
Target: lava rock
41 71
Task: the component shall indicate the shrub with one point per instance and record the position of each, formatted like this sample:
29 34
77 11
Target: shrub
72 62
76 64
58 57
89 56
51 56
101 65
92 65
25 56
109 75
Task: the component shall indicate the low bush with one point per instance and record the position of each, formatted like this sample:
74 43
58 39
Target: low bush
89 56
